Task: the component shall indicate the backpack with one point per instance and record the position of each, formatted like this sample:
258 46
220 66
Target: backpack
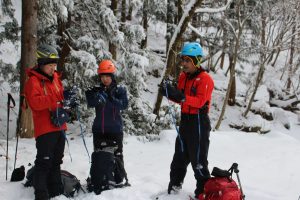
18 174
222 186
107 171
70 182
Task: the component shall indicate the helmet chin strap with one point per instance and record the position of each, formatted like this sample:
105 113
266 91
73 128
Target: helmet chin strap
199 60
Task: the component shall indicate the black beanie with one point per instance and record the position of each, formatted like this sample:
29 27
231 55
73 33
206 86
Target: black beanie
46 61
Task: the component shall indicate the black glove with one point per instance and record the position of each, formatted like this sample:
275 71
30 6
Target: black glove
71 97
111 92
101 97
172 93
162 90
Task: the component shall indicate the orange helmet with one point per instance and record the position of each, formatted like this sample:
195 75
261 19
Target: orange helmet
106 67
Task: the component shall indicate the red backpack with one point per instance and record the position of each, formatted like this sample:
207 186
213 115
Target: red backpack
222 186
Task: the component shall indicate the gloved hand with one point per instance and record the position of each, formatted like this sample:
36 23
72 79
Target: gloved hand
101 97
172 93
71 97
162 89
111 93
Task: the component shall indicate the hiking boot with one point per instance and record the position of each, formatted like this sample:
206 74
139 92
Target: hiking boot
199 188
55 191
172 188
197 192
41 195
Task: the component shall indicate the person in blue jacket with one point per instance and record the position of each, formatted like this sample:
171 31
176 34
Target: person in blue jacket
108 100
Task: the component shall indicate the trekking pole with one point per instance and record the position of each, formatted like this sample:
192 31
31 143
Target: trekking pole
9 99
236 171
64 133
81 132
173 116
16 152
17 134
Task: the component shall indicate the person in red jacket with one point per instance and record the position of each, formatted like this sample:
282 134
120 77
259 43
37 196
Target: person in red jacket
44 94
193 92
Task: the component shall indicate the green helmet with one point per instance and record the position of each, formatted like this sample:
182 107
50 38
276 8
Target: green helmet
46 54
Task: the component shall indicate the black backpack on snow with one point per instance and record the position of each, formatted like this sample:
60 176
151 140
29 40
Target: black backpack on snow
107 171
70 182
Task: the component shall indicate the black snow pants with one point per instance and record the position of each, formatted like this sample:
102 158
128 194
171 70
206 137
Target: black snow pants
191 147
50 151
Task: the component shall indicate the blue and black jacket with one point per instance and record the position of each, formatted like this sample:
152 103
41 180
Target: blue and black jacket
108 118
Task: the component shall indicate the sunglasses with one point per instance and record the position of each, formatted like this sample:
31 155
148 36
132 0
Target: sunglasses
186 59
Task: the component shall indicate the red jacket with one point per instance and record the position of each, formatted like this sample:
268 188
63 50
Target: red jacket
42 96
197 91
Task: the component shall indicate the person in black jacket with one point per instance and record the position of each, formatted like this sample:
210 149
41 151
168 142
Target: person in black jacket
108 100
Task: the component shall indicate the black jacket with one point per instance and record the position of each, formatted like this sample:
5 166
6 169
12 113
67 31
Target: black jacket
108 116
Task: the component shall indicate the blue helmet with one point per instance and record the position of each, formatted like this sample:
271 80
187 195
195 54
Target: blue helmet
192 49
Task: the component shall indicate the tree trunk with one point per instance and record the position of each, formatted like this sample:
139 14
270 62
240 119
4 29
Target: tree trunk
112 47
62 26
28 60
263 59
257 83
277 55
65 51
222 60
180 10
225 102
290 70
225 40
175 71
277 43
232 69
145 24
232 93
130 9
123 15
169 24
175 45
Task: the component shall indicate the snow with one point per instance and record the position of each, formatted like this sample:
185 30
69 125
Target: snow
9 52
269 169
157 32
3 114
214 10
268 163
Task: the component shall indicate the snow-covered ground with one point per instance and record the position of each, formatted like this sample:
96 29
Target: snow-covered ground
269 165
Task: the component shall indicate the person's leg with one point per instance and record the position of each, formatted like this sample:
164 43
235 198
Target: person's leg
198 145
45 145
180 160
96 141
55 186
118 138
120 172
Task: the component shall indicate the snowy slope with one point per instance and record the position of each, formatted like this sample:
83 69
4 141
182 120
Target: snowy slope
269 166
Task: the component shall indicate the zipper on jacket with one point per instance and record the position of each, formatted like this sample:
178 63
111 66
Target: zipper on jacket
103 120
